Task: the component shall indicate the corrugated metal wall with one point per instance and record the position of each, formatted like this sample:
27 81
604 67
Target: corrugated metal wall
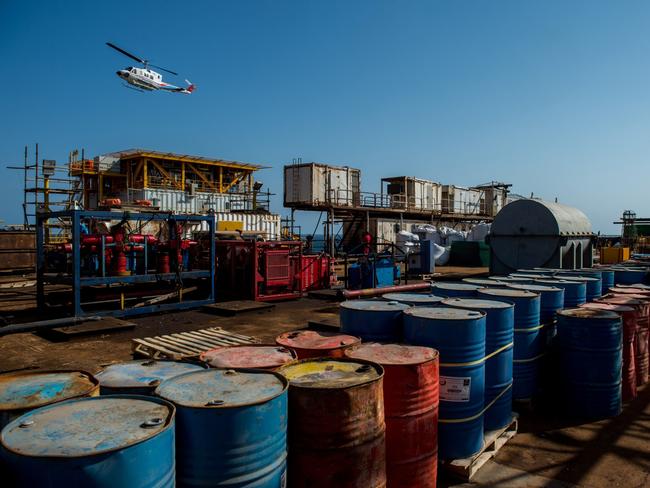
266 224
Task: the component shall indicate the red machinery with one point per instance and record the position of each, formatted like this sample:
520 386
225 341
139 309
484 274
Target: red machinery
265 271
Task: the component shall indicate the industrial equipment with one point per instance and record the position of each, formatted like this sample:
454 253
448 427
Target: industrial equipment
268 270
122 263
531 233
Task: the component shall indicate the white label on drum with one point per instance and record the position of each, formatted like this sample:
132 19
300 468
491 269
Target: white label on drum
454 388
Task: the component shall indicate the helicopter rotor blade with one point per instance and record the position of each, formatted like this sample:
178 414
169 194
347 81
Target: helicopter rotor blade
164 69
143 61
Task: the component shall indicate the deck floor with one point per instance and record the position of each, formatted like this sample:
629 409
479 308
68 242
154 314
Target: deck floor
549 450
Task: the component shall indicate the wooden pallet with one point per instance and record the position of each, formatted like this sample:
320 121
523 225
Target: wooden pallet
466 468
187 345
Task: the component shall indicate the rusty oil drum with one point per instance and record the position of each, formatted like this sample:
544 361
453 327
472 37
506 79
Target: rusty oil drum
336 426
23 391
411 410
258 356
140 377
315 344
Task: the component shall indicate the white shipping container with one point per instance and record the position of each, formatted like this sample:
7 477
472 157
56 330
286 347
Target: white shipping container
461 200
320 184
183 202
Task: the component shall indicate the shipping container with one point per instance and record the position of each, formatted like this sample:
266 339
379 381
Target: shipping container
266 224
458 199
413 193
492 200
321 184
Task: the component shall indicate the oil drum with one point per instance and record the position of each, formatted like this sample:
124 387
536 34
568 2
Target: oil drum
106 441
314 343
23 391
140 377
591 355
414 299
529 342
336 431
231 428
372 320
499 336
411 411
450 289
459 337
262 356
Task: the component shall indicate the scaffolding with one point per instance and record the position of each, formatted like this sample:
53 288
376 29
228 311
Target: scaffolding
48 187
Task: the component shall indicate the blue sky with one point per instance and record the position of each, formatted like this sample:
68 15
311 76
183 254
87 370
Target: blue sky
550 96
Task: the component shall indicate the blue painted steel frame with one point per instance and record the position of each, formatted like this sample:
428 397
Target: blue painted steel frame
77 281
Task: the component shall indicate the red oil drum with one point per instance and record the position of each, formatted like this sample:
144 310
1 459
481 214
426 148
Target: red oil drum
630 317
119 264
315 344
260 356
336 426
411 411
642 351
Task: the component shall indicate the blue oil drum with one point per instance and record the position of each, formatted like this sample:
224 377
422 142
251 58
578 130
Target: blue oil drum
459 337
551 301
594 286
414 299
103 442
23 391
607 279
591 357
529 342
629 276
535 271
499 332
231 428
140 377
484 282
372 320
575 292
449 289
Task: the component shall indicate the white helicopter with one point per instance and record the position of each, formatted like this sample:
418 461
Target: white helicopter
144 79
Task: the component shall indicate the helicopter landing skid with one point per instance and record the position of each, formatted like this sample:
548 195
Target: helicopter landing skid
131 87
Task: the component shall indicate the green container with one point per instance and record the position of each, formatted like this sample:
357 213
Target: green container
469 253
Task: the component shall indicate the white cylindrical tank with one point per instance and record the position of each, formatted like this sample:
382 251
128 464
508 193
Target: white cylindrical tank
531 233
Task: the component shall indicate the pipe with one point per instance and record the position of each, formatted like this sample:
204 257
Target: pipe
372 292
44 324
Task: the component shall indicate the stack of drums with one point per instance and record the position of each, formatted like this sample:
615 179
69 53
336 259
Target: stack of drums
591 353
593 286
118 440
630 317
315 344
140 377
500 319
529 344
411 410
484 282
641 338
24 391
459 337
446 290
231 427
336 433
575 292
414 299
261 356
372 320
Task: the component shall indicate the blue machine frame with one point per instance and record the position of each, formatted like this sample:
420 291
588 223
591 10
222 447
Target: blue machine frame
77 281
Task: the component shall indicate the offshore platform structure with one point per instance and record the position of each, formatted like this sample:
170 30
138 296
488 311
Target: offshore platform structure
404 201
